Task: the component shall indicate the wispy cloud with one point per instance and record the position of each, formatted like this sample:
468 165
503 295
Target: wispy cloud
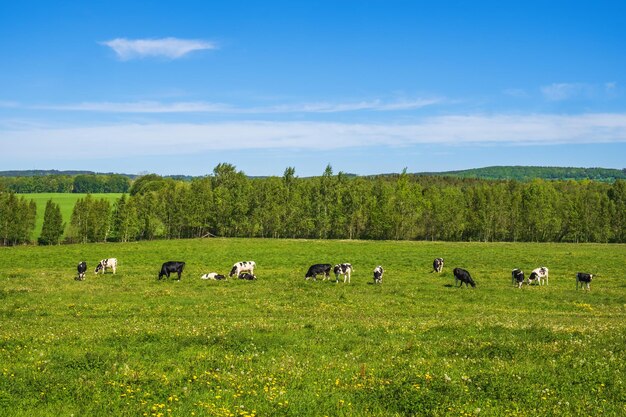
159 138
171 48
138 107
208 107
564 91
9 104
516 92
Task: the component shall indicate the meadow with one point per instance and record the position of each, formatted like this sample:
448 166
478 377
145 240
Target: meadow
66 202
128 344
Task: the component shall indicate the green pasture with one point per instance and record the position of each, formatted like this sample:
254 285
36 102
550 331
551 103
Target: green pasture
130 345
66 202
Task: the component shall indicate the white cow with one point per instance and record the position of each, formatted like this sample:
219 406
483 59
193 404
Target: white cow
213 275
105 264
539 275
244 266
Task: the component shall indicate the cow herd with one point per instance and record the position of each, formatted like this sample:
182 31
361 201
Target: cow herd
245 270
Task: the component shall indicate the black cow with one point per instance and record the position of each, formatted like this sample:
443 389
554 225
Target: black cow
584 279
463 276
378 274
82 268
315 270
517 277
438 265
247 275
171 266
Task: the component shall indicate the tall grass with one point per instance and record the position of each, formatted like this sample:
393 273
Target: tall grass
132 345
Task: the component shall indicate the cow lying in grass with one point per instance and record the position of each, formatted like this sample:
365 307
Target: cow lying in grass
246 275
462 276
584 279
213 275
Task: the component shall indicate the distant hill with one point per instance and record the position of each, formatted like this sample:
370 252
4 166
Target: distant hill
40 172
519 173
71 173
527 173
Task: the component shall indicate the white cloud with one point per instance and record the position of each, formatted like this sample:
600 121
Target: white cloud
130 140
140 107
564 91
207 107
171 48
516 92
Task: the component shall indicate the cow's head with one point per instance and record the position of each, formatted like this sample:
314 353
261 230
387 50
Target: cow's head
99 267
233 271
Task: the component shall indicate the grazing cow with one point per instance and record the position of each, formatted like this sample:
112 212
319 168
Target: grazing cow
105 264
463 276
172 266
539 275
315 270
82 268
213 275
245 266
343 269
378 274
246 275
517 277
438 265
584 278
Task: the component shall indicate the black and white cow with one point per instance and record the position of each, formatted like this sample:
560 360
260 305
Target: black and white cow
317 269
82 268
584 279
378 274
438 265
539 276
213 275
239 267
517 277
343 269
105 264
246 275
462 276
172 266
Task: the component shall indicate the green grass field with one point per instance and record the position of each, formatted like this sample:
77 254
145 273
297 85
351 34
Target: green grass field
282 346
66 202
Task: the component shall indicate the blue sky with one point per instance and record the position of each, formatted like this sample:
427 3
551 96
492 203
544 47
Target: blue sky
367 86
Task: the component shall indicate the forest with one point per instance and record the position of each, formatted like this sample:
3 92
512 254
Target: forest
228 203
65 183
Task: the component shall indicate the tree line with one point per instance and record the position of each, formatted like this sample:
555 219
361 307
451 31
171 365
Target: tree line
528 173
227 203
82 183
